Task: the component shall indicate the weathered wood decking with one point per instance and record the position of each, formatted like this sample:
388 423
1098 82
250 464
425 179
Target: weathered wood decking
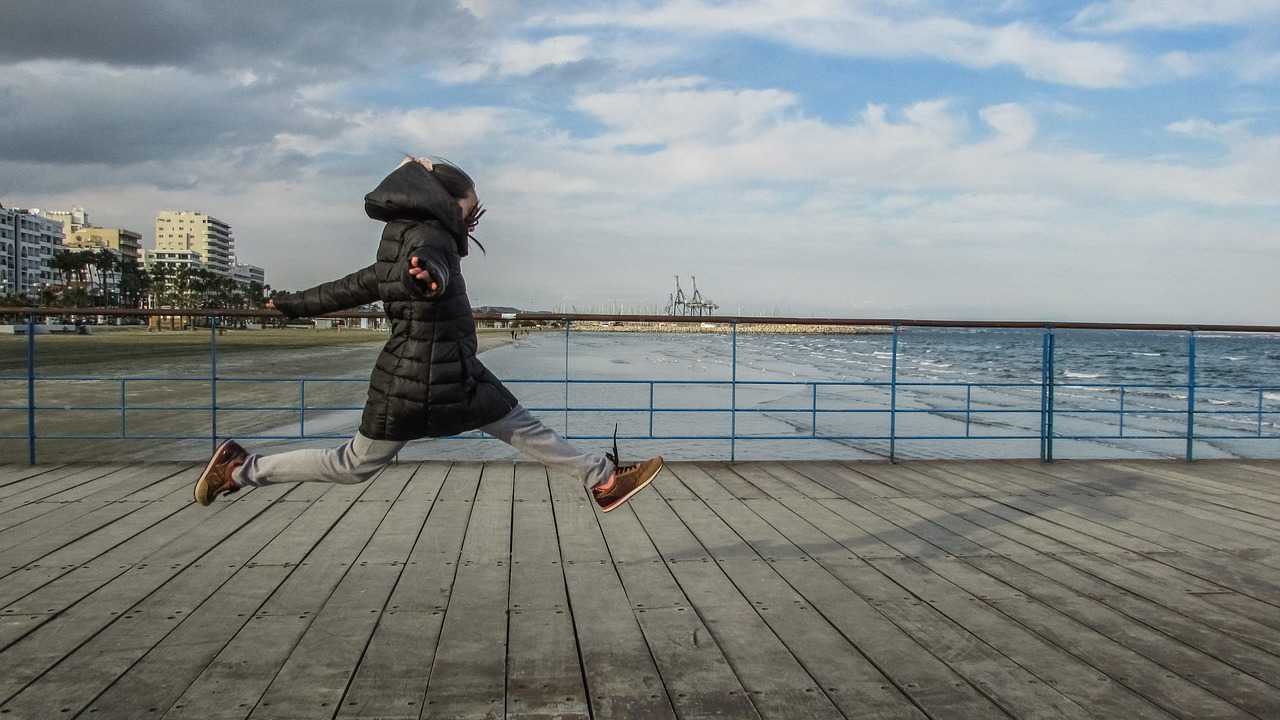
944 590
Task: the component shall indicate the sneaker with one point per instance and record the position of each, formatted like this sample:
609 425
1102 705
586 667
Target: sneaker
627 480
216 478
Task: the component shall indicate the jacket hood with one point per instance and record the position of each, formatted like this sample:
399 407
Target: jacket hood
412 193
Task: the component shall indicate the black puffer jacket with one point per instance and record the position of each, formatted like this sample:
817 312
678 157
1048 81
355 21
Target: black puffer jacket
428 381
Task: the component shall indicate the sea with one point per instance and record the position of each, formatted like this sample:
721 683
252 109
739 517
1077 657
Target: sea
944 393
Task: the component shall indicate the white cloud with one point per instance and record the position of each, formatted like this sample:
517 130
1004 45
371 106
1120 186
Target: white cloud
676 111
1126 15
851 30
515 58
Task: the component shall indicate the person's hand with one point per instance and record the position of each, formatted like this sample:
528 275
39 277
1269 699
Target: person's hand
422 275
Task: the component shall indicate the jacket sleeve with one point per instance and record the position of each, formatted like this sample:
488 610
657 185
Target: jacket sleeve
434 250
358 288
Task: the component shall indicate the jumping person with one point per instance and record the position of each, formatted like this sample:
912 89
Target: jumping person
428 381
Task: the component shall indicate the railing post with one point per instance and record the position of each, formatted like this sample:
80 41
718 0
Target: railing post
733 398
31 388
1046 395
813 410
968 410
893 397
1261 397
1191 394
567 322
213 380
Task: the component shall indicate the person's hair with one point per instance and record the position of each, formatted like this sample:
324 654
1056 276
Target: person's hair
451 177
458 184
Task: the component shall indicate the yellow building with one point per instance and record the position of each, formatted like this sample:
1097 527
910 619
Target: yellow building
126 243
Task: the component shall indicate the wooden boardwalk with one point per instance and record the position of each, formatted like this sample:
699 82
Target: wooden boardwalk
945 590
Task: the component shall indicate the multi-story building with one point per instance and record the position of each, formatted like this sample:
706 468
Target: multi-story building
173 259
207 237
126 243
27 243
246 274
72 220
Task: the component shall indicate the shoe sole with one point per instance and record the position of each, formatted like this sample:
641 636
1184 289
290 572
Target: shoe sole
637 489
202 484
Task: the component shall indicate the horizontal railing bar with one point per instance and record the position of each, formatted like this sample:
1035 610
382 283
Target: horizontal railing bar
671 319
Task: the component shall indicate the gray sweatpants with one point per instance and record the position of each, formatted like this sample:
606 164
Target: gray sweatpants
360 458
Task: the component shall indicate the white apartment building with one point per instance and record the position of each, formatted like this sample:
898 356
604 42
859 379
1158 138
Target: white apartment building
193 232
245 274
174 259
28 241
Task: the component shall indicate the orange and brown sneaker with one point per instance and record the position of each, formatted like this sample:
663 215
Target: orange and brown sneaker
216 479
627 480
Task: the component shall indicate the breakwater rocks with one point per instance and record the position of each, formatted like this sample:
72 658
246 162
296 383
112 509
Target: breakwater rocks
726 328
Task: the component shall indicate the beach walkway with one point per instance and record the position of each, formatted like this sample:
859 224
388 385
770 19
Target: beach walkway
949 590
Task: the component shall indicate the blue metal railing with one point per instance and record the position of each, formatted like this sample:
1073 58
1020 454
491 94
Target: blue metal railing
831 414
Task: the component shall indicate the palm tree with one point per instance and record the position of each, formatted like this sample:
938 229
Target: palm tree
160 277
104 261
64 262
134 283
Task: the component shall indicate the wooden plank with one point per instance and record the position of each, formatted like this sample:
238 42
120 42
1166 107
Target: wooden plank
944 653
698 678
1202 476
11 474
1072 572
726 474
84 615
1074 678
869 634
391 679
846 482
320 548
40 516
901 540
331 556
621 678
174 608
56 530
1158 680
468 676
55 478
313 680
427 581
160 677
1195 665
904 478
229 687
172 542
697 675
1175 518
544 679
835 665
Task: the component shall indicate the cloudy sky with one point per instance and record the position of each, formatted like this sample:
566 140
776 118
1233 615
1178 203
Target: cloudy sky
1116 160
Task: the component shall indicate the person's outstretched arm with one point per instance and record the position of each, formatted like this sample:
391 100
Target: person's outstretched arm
358 288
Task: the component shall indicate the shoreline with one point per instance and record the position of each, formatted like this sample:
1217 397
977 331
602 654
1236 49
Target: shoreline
710 328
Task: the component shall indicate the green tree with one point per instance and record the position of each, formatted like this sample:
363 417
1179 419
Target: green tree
105 263
134 284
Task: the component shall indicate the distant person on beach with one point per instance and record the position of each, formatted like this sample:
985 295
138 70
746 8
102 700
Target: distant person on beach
428 381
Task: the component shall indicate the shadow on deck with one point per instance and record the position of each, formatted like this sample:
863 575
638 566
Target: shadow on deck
946 590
